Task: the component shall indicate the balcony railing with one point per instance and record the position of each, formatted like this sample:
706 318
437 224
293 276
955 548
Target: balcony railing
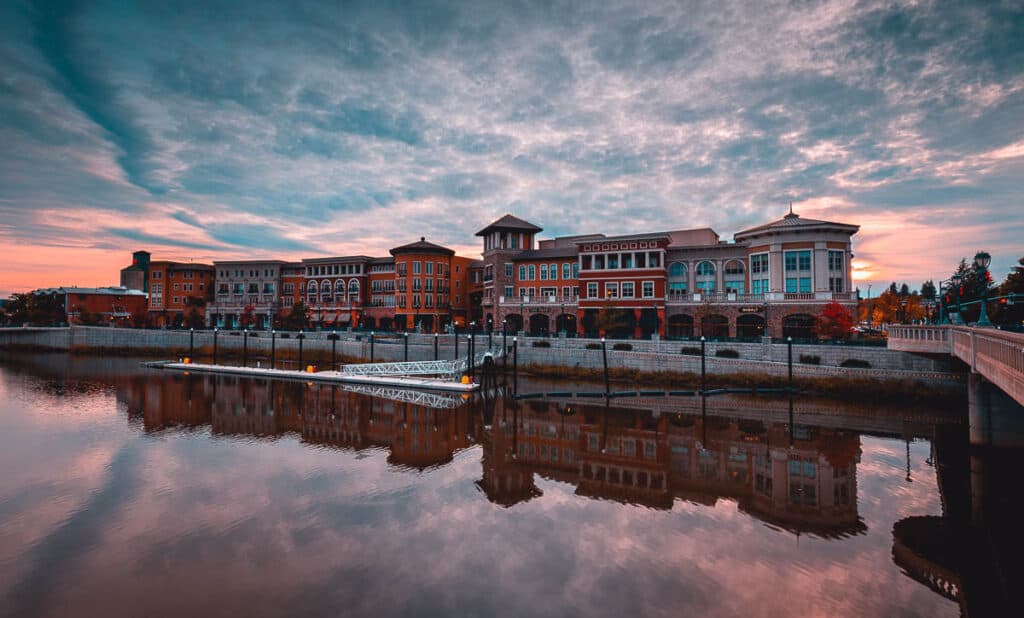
537 300
729 297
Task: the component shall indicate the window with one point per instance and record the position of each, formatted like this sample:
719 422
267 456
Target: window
430 268
592 290
567 270
565 291
648 289
801 285
835 284
508 269
553 271
415 268
706 277
653 260
268 288
288 289
627 260
797 260
835 260
158 275
508 291
176 287
628 289
598 262
677 270
531 272
611 289
575 270
549 292
705 269
522 273
759 286
543 272
613 260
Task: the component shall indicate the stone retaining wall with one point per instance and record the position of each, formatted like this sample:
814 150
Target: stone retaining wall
766 358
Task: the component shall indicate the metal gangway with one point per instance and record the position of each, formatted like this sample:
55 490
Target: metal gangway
429 399
447 369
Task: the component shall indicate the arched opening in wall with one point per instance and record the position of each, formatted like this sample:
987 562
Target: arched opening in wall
566 322
648 322
514 322
539 325
735 277
368 323
680 325
387 324
750 326
714 327
799 326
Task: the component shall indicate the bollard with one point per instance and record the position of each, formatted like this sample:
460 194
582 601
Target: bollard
435 346
273 349
334 343
371 345
214 345
406 358
191 342
245 348
300 338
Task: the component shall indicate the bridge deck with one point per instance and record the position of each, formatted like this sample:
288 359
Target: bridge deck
997 355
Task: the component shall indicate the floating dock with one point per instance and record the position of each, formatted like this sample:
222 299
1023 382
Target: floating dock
329 377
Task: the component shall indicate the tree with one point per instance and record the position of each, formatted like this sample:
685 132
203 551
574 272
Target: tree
904 290
36 308
297 318
248 317
928 290
193 319
835 322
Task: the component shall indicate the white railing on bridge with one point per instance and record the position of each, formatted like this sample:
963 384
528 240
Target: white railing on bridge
997 355
429 399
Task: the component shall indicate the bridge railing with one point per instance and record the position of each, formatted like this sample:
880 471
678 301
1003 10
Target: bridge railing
913 338
996 354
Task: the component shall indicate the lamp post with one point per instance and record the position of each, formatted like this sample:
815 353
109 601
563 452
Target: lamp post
273 349
245 347
215 345
191 341
504 343
981 262
903 309
869 305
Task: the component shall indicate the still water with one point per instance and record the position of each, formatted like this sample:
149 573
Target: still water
134 492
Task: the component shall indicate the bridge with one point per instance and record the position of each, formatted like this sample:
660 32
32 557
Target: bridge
996 355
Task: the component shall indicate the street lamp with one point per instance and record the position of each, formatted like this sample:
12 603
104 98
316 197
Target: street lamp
981 262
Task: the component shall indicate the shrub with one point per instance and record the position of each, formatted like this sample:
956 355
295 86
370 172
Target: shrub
690 351
593 346
542 344
623 347
856 362
727 354
810 359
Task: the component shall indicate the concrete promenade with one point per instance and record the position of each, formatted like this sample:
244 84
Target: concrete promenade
646 356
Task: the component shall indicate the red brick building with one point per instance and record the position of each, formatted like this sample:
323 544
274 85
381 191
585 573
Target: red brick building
110 306
178 291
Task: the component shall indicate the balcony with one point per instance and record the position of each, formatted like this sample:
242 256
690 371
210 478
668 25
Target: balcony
537 300
729 297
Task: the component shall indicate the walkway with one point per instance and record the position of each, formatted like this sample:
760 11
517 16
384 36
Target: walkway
995 354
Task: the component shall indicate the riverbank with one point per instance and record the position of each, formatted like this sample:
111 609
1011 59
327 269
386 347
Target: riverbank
871 374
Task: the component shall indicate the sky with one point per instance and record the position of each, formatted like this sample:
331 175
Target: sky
227 130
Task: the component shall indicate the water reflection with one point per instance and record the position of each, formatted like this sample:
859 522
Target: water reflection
804 481
727 509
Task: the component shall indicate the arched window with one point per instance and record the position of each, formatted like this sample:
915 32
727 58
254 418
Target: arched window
325 291
353 290
311 292
735 277
705 277
677 279
339 290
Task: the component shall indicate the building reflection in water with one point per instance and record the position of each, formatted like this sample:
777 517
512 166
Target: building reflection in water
804 481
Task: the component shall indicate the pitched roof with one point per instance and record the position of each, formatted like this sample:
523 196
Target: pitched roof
793 221
509 222
422 246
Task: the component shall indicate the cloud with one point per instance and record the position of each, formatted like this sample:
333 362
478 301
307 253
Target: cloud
361 126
